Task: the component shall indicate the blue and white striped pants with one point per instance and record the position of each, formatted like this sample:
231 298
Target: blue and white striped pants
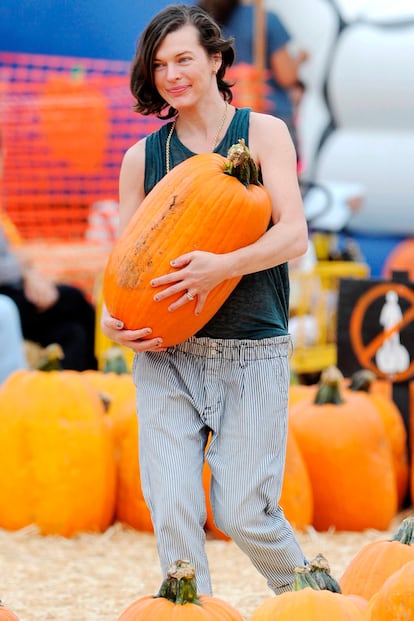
239 390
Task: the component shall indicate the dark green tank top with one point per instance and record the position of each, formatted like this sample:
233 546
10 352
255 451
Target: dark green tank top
259 305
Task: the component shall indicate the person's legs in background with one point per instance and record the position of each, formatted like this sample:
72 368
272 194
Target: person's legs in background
12 355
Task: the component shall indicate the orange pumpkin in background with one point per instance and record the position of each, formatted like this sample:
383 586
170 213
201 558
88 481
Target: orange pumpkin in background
365 382
207 203
74 119
296 498
57 459
401 259
348 457
131 507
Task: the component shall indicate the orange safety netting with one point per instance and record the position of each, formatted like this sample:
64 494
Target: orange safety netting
65 125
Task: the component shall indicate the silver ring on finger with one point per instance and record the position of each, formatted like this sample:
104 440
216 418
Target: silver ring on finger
189 296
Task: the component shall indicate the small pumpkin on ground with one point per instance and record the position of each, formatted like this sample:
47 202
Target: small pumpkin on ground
177 600
377 560
348 457
6 614
206 203
308 601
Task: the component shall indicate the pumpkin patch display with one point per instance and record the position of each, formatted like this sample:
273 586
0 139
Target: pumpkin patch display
377 560
178 600
207 203
348 457
57 458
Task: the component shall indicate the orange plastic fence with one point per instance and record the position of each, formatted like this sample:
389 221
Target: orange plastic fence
65 124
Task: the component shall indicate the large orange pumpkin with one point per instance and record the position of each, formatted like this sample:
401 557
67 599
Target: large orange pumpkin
198 205
131 507
348 457
57 458
377 560
296 498
364 381
177 600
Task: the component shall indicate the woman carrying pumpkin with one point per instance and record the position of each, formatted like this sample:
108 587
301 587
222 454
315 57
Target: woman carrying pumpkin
231 379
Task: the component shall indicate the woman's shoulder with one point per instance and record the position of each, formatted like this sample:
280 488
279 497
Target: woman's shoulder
266 132
267 122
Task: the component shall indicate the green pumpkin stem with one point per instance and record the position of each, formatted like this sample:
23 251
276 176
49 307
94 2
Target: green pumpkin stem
405 532
50 358
241 165
329 390
179 586
321 572
303 578
362 380
115 361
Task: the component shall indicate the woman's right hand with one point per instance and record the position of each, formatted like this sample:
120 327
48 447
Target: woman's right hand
138 340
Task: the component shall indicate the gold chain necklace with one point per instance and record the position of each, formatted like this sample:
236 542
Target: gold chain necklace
215 143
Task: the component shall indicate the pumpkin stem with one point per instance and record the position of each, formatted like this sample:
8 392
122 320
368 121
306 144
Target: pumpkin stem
50 357
241 165
405 532
362 380
329 387
303 578
321 572
115 361
179 586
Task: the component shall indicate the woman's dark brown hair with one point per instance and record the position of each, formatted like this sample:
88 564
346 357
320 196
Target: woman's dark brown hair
148 100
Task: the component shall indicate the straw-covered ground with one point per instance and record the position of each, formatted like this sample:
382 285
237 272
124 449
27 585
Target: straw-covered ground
94 577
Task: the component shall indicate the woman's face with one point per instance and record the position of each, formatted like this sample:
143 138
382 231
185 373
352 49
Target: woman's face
183 72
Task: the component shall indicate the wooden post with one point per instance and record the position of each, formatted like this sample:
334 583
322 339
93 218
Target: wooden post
259 53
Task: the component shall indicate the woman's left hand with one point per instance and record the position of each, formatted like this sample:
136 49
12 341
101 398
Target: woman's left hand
196 274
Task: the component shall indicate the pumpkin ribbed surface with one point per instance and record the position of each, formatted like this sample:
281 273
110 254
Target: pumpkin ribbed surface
308 604
348 458
377 560
197 206
395 599
57 459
